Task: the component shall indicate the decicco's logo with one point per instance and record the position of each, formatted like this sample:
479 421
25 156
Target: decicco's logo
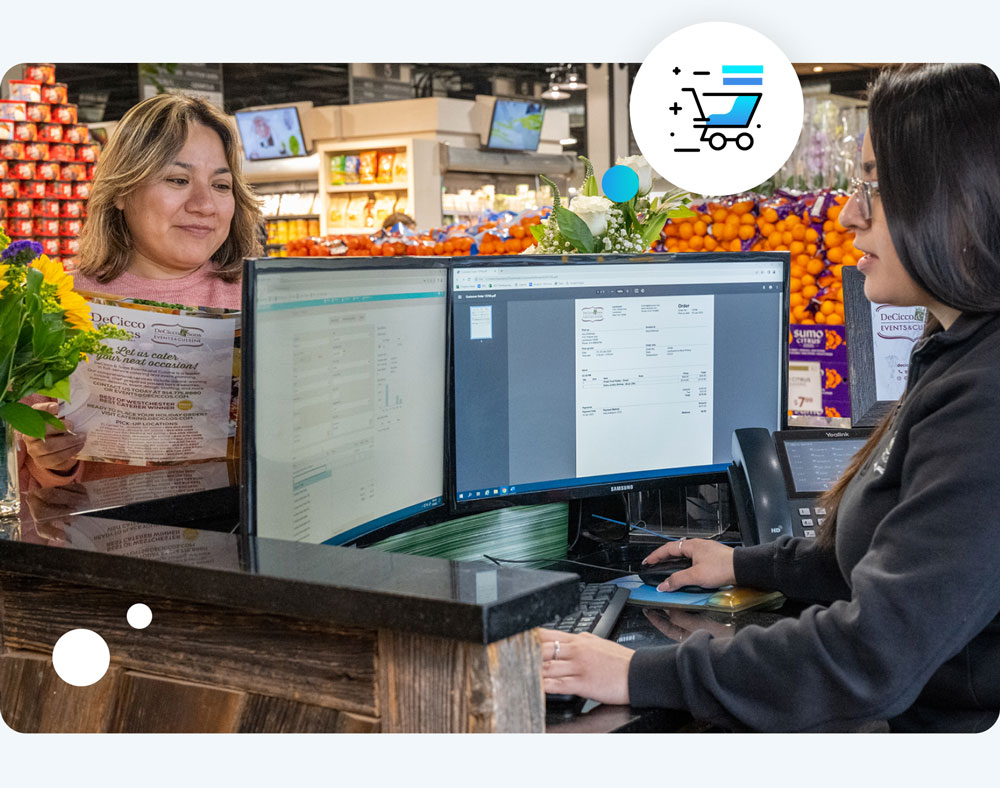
716 108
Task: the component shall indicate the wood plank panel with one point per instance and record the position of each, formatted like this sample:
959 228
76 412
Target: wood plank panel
33 699
276 715
152 704
429 684
310 662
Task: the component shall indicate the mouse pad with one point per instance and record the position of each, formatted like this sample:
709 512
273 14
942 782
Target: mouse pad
730 599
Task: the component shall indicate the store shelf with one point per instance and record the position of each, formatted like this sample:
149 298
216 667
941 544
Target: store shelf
351 230
282 217
366 187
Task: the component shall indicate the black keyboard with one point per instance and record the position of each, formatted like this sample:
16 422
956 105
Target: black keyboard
599 608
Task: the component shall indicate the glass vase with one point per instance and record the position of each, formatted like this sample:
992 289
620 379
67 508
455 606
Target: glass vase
10 494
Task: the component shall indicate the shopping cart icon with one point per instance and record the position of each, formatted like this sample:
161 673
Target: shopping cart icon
741 110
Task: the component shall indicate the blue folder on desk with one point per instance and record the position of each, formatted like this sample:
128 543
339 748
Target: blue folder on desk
730 599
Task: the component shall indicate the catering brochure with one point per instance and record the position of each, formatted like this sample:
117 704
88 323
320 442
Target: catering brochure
167 395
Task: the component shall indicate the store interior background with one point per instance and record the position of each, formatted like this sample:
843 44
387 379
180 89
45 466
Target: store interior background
430 114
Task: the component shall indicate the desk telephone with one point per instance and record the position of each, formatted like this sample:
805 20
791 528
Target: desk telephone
775 480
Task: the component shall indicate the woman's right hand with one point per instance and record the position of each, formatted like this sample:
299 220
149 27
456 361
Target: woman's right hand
712 563
58 450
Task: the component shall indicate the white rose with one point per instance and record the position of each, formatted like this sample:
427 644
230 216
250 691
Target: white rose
593 211
642 169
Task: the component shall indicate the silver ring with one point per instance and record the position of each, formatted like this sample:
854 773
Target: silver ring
555 653
680 546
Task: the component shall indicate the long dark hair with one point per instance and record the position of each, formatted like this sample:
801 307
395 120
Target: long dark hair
935 130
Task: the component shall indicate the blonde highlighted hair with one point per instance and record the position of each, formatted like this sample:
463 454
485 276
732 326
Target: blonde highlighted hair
147 140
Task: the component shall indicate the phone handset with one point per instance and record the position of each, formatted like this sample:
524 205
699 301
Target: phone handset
758 487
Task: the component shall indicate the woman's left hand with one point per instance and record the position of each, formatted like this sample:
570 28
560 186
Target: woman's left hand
585 665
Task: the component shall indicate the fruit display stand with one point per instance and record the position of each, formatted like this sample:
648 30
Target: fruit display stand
412 183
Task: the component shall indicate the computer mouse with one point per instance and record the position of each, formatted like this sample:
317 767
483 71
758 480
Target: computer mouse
654 574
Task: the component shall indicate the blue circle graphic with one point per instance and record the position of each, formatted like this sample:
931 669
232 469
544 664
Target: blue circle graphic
620 183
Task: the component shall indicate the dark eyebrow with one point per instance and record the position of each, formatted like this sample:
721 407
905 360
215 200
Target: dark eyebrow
868 167
220 171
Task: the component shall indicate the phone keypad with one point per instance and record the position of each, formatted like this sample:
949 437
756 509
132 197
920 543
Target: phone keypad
809 518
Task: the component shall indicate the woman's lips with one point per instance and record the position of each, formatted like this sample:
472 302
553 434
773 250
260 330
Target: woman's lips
196 230
866 260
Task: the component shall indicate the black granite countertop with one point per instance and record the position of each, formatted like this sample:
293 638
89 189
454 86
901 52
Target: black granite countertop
472 601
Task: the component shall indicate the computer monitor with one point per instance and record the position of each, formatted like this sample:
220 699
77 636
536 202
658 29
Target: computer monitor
344 373
586 376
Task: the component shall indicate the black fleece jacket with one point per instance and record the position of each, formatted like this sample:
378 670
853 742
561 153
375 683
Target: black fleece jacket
910 632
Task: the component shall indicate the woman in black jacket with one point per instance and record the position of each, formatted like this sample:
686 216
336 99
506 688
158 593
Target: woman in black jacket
908 563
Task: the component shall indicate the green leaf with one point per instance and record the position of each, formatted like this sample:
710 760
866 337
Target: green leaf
49 334
537 230
27 420
590 187
58 390
588 168
575 229
631 220
555 190
680 213
651 230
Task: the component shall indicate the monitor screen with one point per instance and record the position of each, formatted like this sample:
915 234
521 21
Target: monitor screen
516 124
604 376
271 133
344 394
812 460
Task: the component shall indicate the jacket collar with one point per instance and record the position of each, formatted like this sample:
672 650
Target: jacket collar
929 348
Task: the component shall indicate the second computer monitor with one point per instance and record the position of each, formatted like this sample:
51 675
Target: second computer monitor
591 377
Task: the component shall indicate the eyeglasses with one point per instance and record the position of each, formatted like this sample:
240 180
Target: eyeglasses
864 191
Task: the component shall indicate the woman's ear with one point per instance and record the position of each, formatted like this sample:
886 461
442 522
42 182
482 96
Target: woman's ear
120 203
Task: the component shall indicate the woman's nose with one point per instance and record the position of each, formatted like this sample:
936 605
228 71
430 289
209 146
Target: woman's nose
200 199
850 215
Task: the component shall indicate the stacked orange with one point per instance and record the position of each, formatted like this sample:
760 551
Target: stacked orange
716 227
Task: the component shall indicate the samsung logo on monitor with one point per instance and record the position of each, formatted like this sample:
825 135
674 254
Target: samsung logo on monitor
622 487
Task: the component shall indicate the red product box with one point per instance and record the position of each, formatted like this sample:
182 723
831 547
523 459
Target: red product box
3 209
31 190
51 132
64 113
11 150
54 93
38 113
50 246
6 130
3 168
40 72
36 151
90 171
44 226
57 190
69 246
47 170
76 134
21 170
81 190
73 171
8 190
13 110
62 152
20 228
21 209
25 90
49 209
88 152
25 131
70 226
70 209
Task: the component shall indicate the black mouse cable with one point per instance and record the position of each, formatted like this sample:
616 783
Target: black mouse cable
499 561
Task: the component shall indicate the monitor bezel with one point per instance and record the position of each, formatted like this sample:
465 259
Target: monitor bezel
254 110
600 489
249 524
493 115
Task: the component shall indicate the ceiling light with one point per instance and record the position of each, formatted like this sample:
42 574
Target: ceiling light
568 141
554 93
817 69
570 79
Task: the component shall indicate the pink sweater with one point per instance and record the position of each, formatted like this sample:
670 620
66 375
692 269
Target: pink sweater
195 289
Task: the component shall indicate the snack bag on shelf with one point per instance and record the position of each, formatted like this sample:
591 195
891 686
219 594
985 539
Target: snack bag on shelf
385 166
384 203
401 204
356 211
368 166
337 174
369 213
399 167
352 169
337 215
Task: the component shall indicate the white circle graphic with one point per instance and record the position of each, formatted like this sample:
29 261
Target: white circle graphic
81 657
139 616
716 108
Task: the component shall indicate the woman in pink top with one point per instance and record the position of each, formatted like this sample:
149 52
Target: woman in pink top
170 218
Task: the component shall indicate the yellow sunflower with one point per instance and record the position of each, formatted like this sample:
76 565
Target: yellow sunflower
3 278
75 308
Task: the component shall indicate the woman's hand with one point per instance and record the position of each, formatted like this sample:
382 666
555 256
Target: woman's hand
57 451
712 565
585 665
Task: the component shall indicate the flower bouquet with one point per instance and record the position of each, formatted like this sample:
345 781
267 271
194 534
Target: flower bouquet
45 331
624 221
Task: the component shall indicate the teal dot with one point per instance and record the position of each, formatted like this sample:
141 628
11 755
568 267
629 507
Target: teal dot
620 183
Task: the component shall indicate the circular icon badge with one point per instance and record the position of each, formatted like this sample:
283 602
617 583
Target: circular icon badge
716 108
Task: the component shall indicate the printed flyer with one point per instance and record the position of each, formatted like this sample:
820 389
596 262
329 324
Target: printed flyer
818 393
168 395
895 330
